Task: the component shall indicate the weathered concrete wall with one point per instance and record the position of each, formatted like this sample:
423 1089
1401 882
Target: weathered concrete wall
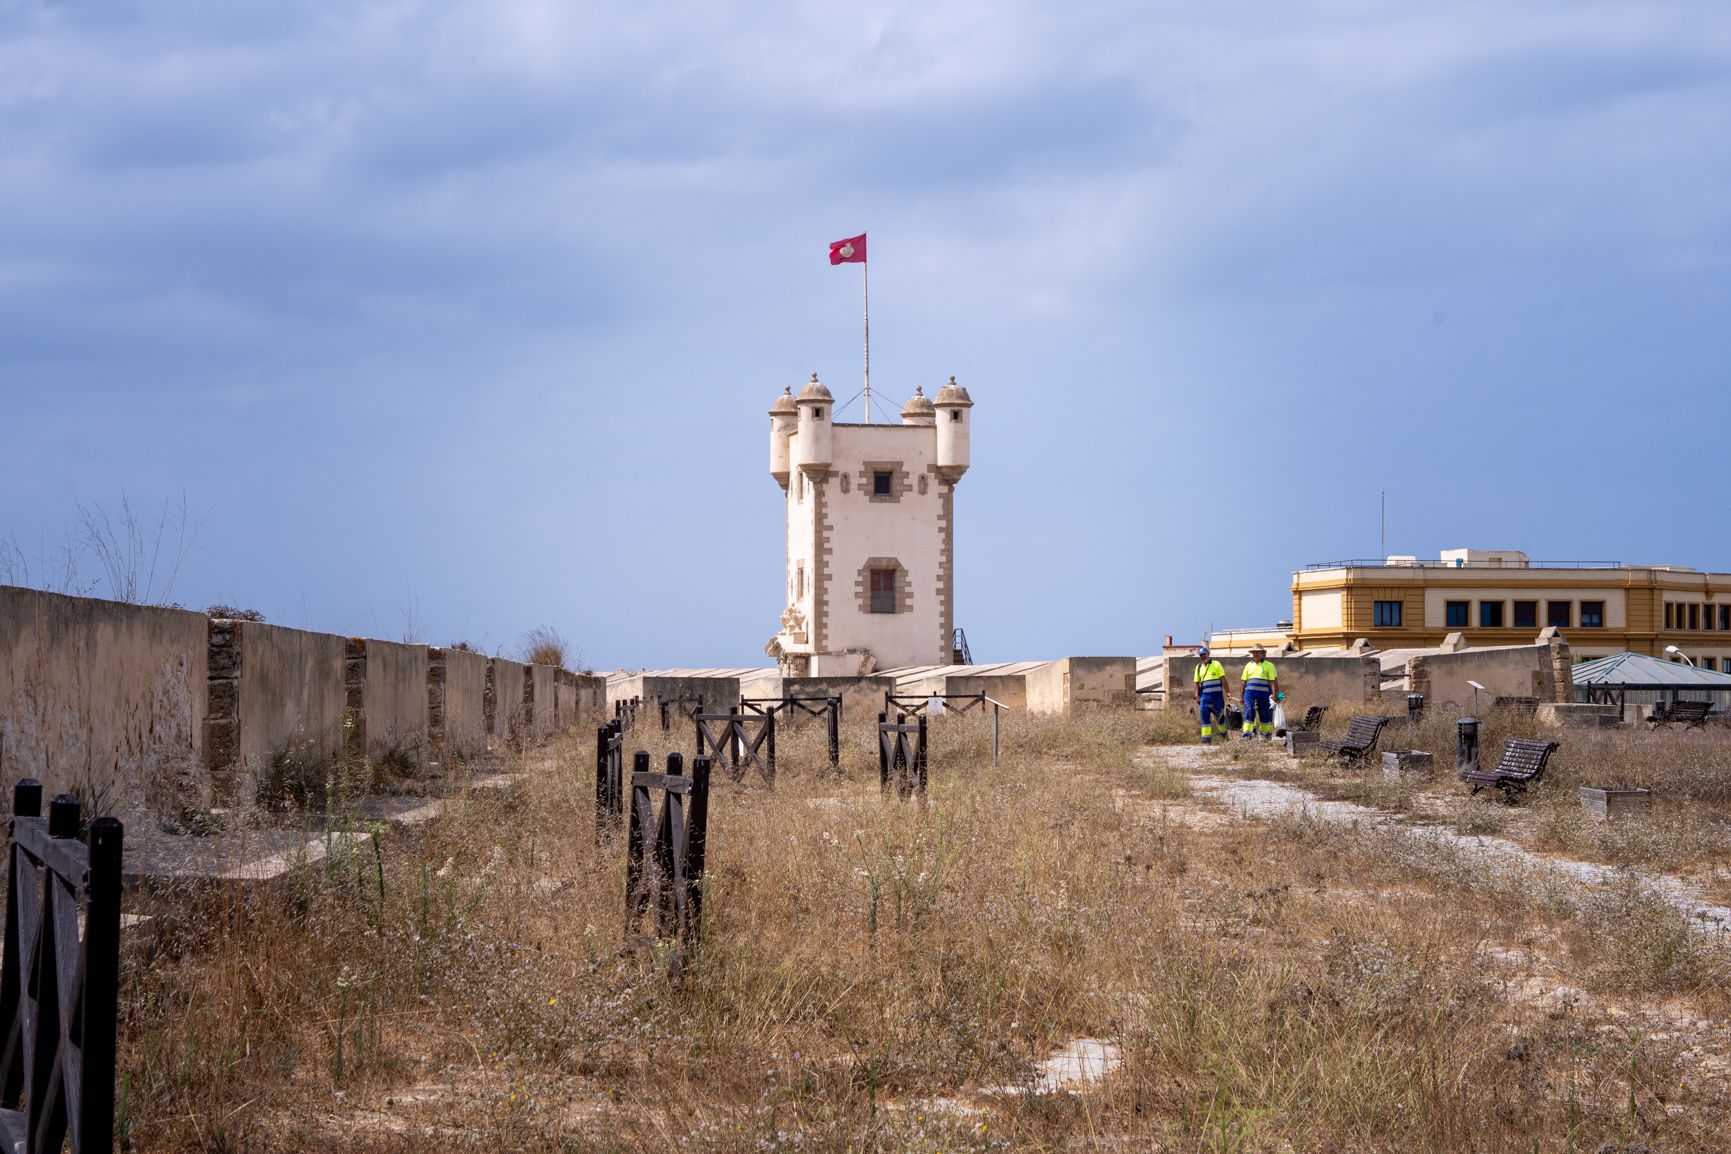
393 701
1010 689
862 698
718 694
277 707
104 699
539 709
456 706
1526 671
1306 681
504 700
1074 684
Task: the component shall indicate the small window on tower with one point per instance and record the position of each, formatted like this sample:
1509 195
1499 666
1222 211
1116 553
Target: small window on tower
883 483
955 414
817 414
883 590
799 581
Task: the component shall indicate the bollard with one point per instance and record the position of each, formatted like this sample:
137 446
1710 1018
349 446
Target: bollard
883 756
1414 708
1468 756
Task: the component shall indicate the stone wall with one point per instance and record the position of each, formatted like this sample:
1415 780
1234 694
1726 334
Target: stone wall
278 705
1523 671
1075 684
104 699
1306 681
1011 688
504 701
153 711
456 701
718 694
862 698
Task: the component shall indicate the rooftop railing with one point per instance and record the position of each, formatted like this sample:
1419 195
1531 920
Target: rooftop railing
1383 563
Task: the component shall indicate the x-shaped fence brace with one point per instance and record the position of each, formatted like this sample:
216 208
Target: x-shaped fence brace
59 991
728 738
902 755
665 852
827 707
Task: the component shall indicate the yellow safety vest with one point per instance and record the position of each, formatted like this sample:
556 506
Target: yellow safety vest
1211 676
1259 676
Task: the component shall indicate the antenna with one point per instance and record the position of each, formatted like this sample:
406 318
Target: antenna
1384 553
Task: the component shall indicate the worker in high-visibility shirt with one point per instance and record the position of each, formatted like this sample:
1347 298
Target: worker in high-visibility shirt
1210 695
1261 687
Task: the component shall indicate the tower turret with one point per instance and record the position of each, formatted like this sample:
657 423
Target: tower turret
918 410
783 420
811 446
952 405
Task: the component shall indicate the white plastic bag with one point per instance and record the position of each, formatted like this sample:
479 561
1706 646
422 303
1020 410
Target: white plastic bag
1279 718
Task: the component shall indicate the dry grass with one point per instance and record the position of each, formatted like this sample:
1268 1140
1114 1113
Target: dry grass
878 976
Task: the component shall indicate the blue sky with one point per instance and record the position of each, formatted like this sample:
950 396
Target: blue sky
457 319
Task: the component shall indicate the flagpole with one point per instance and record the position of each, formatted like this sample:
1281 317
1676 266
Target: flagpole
866 280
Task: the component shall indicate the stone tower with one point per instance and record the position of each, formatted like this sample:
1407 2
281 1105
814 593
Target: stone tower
870 532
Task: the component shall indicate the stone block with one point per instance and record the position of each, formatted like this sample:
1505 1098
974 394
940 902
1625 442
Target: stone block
1609 803
1302 742
1405 762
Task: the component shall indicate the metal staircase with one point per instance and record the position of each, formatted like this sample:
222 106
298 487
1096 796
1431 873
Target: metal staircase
960 654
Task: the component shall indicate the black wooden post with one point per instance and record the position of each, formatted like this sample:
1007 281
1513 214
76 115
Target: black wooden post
834 724
666 876
26 802
735 736
769 740
696 844
1414 708
635 895
101 987
602 735
883 755
920 758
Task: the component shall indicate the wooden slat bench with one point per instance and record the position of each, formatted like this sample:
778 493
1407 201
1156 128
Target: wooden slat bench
1360 739
1312 718
1691 714
1522 764
1526 705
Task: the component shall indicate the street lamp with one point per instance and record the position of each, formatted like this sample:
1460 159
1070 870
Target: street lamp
1670 649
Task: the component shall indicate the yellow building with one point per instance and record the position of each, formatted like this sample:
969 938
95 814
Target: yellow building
1499 597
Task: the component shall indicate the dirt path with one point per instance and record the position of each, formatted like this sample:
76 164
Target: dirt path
1257 798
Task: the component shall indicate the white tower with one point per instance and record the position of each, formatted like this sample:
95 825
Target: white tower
870 532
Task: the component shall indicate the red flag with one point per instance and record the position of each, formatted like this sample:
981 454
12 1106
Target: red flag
849 251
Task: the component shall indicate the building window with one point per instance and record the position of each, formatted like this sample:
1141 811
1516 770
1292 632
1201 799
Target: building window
1694 616
883 591
1386 614
799 582
1725 617
1706 617
1592 615
1526 614
883 483
1557 613
1490 614
1670 615
1455 614
955 414
1706 663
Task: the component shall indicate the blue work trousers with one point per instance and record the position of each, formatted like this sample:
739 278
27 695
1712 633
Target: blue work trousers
1258 712
1213 710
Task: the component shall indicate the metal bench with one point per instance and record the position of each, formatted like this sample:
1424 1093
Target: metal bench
1312 718
1360 739
1523 763
1691 714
